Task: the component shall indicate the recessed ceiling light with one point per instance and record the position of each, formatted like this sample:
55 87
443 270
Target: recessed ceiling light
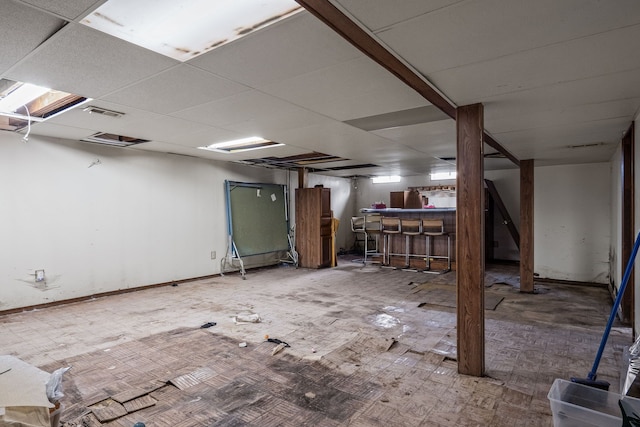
24 103
185 29
21 96
243 144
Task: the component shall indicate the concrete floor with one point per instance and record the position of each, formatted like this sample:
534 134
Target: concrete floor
342 320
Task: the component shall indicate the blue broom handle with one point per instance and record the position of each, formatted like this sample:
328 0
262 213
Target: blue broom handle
614 309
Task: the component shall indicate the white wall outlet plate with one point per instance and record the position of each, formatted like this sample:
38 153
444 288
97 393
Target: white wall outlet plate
39 275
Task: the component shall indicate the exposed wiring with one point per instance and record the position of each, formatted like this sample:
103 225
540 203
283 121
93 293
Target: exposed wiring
25 138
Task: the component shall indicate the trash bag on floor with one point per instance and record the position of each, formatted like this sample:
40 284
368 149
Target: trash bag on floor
54 385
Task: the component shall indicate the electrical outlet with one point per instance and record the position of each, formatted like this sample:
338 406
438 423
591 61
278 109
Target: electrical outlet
39 275
213 254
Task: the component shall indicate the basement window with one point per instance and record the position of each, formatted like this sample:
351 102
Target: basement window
240 145
22 103
441 176
386 179
185 29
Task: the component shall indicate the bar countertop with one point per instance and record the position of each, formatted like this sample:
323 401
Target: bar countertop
399 210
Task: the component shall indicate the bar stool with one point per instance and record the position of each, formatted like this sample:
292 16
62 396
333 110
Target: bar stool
357 227
389 225
373 228
410 228
434 228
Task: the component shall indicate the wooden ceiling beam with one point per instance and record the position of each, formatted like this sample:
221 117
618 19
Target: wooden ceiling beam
354 34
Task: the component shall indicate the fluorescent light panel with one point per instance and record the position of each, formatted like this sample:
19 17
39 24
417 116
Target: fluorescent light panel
243 144
386 179
185 29
21 96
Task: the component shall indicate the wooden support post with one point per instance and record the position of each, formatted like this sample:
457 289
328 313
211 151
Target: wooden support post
303 178
526 226
470 239
627 233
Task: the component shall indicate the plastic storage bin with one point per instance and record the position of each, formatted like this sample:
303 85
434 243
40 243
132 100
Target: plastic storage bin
577 405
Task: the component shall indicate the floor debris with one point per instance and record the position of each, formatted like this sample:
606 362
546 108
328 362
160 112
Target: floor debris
277 349
208 325
242 319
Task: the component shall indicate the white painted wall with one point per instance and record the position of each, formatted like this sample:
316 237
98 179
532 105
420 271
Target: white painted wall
137 218
572 222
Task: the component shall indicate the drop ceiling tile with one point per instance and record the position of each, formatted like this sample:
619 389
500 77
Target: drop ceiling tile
88 63
22 29
80 118
294 46
380 14
564 62
565 94
437 137
475 31
348 90
202 136
554 116
159 128
175 89
246 107
274 121
70 9
344 141
165 147
411 116
49 129
525 142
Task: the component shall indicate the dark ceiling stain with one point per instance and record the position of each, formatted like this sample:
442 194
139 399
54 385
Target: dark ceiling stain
106 18
218 43
247 30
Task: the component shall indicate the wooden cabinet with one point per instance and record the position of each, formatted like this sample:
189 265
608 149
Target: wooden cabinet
313 227
409 199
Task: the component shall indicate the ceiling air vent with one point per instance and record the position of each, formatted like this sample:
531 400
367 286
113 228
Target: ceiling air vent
113 139
97 110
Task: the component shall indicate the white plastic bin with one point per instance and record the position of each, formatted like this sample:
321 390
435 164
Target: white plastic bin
577 405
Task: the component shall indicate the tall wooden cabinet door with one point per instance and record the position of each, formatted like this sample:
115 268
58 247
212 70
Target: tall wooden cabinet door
326 202
313 227
325 246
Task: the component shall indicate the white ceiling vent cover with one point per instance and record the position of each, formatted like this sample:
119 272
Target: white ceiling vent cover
98 110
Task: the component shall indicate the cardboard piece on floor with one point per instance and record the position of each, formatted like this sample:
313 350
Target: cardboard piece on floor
140 403
108 410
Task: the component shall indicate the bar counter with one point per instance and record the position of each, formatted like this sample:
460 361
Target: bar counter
418 243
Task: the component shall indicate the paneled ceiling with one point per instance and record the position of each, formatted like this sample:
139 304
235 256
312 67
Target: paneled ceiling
559 81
